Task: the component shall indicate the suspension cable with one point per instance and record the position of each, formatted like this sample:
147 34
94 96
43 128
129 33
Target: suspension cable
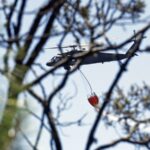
86 80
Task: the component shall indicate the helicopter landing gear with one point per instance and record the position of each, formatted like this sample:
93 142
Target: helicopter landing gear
67 67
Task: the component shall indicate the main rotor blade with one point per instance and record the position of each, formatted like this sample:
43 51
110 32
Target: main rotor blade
81 47
57 47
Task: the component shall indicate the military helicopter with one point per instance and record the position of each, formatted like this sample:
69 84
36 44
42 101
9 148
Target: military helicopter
97 57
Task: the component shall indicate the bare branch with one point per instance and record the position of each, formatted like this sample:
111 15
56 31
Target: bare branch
39 99
28 141
40 130
114 83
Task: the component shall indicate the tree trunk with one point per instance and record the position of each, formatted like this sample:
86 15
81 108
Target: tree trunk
6 135
7 124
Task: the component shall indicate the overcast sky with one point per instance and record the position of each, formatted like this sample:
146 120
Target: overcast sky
100 77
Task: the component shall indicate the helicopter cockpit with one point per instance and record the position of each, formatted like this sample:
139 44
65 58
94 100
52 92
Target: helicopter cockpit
55 59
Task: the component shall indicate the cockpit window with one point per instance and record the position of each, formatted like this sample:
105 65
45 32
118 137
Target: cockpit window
55 59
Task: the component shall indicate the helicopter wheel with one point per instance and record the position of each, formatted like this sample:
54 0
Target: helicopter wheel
67 67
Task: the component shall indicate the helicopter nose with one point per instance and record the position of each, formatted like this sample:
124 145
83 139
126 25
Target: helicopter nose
48 64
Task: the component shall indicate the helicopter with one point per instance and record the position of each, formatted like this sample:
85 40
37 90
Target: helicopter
96 57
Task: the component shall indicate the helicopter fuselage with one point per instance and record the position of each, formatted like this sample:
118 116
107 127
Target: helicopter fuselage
98 57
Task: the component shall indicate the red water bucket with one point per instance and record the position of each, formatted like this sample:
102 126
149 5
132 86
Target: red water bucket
93 100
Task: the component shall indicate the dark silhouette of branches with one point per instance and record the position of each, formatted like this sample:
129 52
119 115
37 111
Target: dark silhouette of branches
24 36
114 83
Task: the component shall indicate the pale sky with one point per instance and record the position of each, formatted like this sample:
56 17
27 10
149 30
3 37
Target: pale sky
100 77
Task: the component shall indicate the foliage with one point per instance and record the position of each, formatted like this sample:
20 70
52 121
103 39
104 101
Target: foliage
73 21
